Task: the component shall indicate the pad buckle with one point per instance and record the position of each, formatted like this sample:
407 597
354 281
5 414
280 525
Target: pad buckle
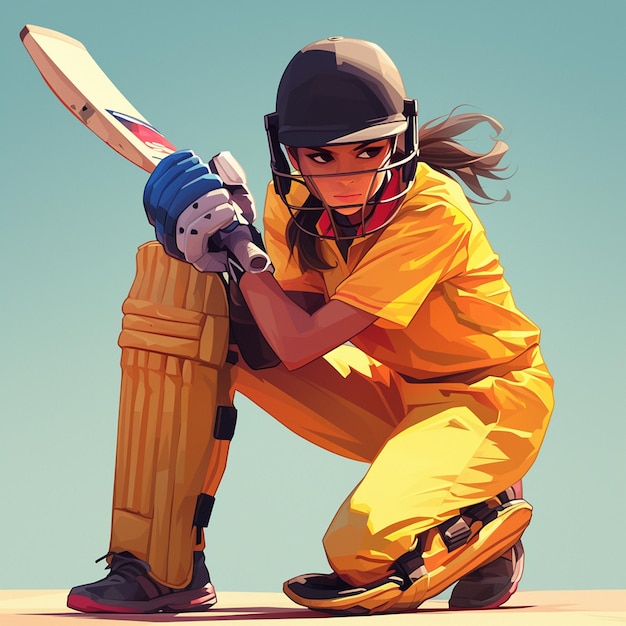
455 532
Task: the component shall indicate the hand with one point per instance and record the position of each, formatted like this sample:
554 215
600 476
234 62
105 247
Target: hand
222 220
202 213
177 182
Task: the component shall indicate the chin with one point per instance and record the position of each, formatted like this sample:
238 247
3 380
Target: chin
340 208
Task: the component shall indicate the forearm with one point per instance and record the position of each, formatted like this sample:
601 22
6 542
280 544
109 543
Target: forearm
283 323
296 336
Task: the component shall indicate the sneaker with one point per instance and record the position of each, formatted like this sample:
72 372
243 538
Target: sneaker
492 585
470 543
128 589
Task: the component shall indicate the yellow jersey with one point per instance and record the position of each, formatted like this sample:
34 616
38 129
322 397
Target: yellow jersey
430 277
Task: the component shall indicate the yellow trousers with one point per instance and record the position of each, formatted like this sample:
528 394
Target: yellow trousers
432 448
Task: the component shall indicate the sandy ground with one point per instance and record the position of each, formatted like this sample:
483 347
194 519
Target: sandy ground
528 608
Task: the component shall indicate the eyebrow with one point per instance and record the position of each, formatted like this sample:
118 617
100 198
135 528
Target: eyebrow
367 143
355 149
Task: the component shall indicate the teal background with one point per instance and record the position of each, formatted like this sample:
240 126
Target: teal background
205 73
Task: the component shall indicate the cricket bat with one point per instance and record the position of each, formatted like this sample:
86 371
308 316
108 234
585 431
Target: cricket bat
87 92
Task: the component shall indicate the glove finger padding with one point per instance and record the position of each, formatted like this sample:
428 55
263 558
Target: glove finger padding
202 219
178 180
163 175
196 182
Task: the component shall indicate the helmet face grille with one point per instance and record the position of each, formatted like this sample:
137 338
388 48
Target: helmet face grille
372 215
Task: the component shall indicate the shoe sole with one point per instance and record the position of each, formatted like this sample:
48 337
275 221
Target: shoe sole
177 602
492 541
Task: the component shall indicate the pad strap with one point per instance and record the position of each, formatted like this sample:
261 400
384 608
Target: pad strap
455 532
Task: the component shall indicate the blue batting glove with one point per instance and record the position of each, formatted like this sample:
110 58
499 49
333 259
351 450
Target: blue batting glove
176 182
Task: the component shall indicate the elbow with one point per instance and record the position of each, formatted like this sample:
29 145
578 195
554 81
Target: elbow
290 367
293 364
293 352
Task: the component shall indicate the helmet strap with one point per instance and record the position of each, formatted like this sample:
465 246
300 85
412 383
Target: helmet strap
410 140
277 156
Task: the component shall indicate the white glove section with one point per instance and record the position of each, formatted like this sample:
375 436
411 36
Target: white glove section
226 166
221 210
201 220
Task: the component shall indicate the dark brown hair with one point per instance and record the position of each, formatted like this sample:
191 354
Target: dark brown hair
440 149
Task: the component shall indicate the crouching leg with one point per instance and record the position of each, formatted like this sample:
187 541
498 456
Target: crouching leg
176 420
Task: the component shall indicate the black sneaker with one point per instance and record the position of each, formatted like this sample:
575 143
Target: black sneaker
491 585
128 589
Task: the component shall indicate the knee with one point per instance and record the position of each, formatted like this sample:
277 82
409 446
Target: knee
173 309
346 542
359 549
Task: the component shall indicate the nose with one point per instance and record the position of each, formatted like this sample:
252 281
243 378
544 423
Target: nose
345 182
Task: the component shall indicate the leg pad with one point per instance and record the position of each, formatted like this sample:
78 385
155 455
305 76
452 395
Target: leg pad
174 344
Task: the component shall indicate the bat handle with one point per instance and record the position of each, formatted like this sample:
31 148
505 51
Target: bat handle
251 257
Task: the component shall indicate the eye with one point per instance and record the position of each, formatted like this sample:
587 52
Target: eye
320 157
369 153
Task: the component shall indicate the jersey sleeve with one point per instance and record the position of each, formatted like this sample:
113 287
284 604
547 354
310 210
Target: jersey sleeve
420 248
287 269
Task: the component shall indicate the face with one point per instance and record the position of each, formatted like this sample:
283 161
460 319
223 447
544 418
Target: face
343 174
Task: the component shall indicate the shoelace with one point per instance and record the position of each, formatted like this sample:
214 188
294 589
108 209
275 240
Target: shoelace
127 567
105 556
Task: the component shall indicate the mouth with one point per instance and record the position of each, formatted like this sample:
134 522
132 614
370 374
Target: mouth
348 195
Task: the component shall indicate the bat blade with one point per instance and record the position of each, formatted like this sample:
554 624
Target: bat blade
87 92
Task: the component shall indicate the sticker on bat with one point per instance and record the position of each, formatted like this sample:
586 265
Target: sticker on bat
144 132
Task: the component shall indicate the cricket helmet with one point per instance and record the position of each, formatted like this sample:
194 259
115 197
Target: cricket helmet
338 91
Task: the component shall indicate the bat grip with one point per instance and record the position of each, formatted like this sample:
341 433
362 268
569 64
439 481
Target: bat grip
251 257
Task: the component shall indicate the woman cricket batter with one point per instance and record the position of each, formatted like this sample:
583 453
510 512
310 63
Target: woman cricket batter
388 335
